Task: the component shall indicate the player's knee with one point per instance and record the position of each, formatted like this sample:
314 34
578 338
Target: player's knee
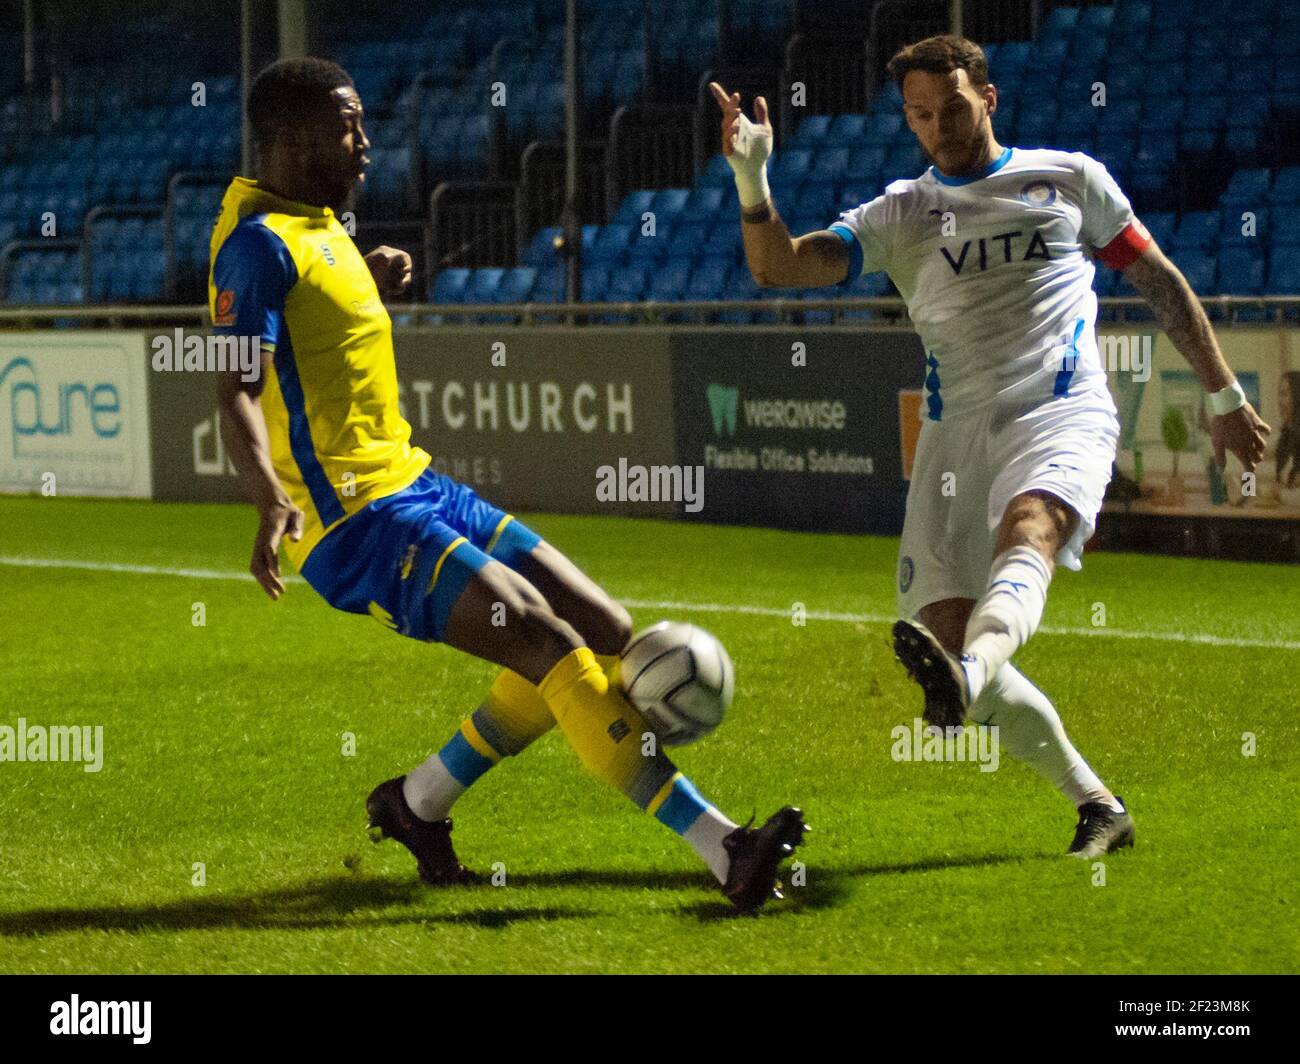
613 630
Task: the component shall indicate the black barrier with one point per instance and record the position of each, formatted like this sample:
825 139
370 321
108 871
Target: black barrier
797 428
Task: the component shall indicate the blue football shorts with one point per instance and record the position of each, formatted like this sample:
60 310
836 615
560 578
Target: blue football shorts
405 559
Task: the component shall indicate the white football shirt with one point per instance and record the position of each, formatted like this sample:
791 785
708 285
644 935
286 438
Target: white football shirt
997 274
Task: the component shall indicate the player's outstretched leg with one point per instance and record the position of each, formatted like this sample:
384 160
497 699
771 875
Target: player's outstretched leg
1030 730
513 714
498 615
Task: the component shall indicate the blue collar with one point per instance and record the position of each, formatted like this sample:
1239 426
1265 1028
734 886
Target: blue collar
992 168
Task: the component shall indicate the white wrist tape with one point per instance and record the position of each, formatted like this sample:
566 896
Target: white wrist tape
1227 400
751 147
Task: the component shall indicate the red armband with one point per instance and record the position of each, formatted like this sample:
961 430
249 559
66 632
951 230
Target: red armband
1124 250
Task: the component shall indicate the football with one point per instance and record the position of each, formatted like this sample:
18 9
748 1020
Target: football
680 678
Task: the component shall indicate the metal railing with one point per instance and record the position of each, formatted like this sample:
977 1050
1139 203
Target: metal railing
888 311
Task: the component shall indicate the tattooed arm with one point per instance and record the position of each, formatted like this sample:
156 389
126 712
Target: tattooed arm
778 260
1183 320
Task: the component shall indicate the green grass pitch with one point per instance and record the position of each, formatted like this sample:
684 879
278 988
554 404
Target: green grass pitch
224 746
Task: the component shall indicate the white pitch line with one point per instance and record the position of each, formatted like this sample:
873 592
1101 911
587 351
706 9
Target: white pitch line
686 607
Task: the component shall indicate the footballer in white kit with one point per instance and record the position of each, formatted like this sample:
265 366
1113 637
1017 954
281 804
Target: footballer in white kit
993 250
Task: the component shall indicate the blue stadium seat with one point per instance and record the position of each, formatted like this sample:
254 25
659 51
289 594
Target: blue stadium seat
1284 272
1060 22
811 131
829 165
1242 143
1285 228
1199 269
708 279
1241 270
669 202
1232 223
483 284
595 282
1161 226
882 128
1094 22
1197 229
612 242
1286 187
703 204
724 240
686 241
627 284
716 173
516 285
865 162
669 281
449 286
1208 112
1247 188
541 249
790 167
1201 141
648 249
549 286
847 130
638 201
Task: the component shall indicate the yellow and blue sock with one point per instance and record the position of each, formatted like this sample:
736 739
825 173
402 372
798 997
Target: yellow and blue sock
607 733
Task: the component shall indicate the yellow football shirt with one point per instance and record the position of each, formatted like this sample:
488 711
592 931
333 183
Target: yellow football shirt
290 275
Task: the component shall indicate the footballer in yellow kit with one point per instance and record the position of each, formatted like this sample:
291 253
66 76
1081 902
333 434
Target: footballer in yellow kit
326 457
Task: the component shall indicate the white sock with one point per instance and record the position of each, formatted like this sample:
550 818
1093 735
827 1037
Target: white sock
1008 613
1030 730
706 836
431 790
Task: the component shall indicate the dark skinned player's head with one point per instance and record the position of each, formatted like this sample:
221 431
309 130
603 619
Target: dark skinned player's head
306 119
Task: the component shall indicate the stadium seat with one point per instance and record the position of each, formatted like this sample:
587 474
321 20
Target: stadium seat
686 241
703 204
810 132
1232 224
1247 188
669 281
1284 228
541 249
708 279
612 243
1197 229
1200 271
1241 271
517 285
449 286
716 173
1284 271
649 248
1286 187
483 284
595 282
669 202
638 201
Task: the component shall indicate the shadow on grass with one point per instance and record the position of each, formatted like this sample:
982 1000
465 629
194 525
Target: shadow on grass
312 905
829 887
339 902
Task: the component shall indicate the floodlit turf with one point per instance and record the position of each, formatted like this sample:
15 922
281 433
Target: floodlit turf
224 746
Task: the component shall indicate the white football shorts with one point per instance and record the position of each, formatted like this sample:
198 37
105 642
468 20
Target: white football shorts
968 469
